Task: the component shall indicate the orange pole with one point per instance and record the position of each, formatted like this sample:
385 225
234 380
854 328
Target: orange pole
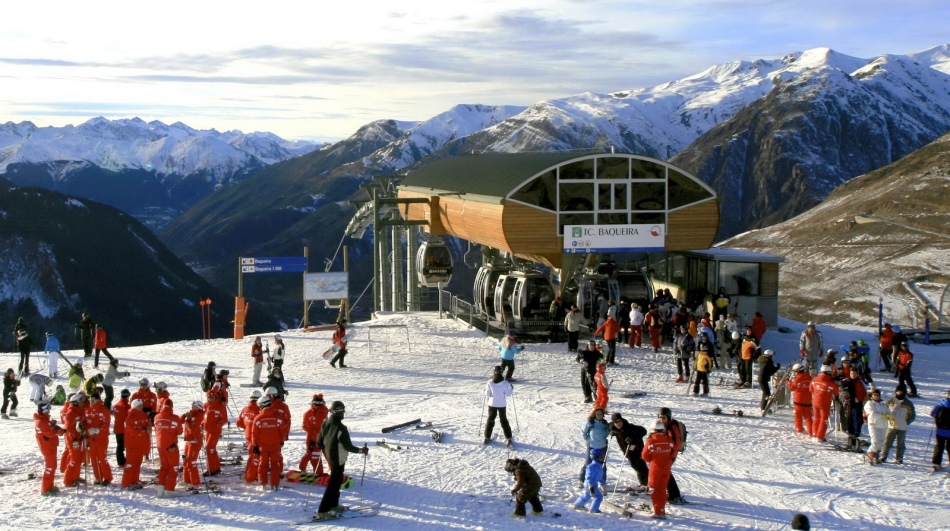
201 303
208 304
240 314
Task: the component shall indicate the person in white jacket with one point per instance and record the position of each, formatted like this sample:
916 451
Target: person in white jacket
497 392
875 415
636 327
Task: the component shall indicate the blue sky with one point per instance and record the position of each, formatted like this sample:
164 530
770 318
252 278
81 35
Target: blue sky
320 70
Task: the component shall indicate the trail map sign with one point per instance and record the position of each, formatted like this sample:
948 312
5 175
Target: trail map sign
326 286
614 238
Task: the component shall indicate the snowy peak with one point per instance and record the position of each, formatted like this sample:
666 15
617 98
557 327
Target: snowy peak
132 143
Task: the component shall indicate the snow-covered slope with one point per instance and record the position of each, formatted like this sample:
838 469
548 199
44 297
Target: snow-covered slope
118 145
740 473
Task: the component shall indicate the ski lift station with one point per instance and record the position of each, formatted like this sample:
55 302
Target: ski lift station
578 226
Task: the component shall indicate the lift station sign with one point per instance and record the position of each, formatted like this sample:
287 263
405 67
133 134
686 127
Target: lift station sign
279 264
646 237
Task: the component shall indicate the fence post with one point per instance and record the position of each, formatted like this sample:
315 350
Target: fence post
927 330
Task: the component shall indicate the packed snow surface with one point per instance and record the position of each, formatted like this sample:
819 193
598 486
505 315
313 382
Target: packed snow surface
740 473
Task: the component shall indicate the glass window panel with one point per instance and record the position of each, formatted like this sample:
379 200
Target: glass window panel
678 270
603 196
576 197
684 191
574 219
740 278
620 196
648 196
583 169
613 168
539 191
648 217
612 218
644 169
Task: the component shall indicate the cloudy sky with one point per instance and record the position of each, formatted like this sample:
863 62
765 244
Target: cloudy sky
320 69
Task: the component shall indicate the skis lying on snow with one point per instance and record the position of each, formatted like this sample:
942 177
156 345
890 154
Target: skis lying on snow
719 411
346 513
634 394
390 447
321 480
388 429
249 385
436 435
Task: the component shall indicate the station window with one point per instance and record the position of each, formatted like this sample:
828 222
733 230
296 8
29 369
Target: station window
644 169
741 278
648 196
612 218
613 168
685 191
647 217
583 169
574 219
574 197
541 191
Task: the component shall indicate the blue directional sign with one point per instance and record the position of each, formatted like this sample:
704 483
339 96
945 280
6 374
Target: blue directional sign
278 264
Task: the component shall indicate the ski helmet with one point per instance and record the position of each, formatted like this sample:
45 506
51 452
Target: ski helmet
659 426
596 452
798 367
125 392
197 404
615 417
264 402
317 400
143 382
137 403
768 352
735 335
337 408
161 386
43 407
896 329
255 394
223 372
826 368
271 391
811 324
831 352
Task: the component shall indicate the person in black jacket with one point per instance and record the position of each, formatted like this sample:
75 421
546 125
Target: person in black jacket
10 383
276 380
588 358
769 367
630 440
334 442
207 379
23 343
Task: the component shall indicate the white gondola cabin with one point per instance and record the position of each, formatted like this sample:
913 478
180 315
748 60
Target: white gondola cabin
434 262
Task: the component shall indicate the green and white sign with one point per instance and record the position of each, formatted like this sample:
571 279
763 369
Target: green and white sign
614 238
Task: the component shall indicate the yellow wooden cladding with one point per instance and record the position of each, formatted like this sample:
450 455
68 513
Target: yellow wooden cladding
693 227
768 280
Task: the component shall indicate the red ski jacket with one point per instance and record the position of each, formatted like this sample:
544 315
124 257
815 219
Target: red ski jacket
659 450
136 429
313 420
47 435
823 390
168 427
268 428
801 389
120 411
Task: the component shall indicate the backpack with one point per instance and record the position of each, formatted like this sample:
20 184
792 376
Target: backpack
683 434
942 420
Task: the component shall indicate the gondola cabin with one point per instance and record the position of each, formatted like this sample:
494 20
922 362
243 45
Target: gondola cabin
532 296
590 288
434 263
634 287
504 287
484 290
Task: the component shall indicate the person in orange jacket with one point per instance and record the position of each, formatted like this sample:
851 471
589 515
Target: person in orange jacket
161 395
267 435
886 346
312 422
759 327
610 329
747 354
100 341
216 416
148 398
660 451
340 340
904 360
277 402
168 426
47 437
244 422
654 323
823 391
600 378
96 422
137 444
75 442
801 399
63 416
191 421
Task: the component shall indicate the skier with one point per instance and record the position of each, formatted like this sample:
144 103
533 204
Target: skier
660 451
886 346
215 417
59 397
596 432
257 357
707 337
334 442
47 437
572 323
527 486
76 376
148 398
723 343
137 443
161 395
207 378
508 347
100 341
899 338
221 387
704 364
278 404
497 392
120 412
109 379
594 481
610 329
769 368
624 322
852 395
276 380
636 327
313 420
801 399
600 378
683 347
809 346
279 352
91 385
629 438
191 422
555 315
823 392
875 415
654 323
759 326
858 364
673 430
902 415
721 304
340 339
53 353
38 384
96 421
941 416
267 438
245 422
747 354
23 343
903 362
86 328
75 442
589 358
10 383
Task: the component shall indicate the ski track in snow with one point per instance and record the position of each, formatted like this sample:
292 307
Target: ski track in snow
741 472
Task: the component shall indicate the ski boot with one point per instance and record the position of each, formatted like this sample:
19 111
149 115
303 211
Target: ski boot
4 416
13 413
52 491
936 468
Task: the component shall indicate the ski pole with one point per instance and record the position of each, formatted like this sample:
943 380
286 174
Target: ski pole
363 474
204 447
482 418
515 409
928 439
625 457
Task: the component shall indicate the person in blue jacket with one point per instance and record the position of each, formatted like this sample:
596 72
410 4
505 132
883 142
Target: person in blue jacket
596 433
941 416
54 352
508 347
595 481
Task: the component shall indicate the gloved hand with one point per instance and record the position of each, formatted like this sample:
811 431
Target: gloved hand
592 489
75 445
628 440
803 353
364 450
256 450
93 431
514 491
312 445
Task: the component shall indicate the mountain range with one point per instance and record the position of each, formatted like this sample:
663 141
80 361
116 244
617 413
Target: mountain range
773 137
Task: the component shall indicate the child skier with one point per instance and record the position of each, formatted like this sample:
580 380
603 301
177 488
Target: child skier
595 482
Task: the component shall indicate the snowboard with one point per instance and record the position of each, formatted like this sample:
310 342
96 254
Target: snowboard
349 512
635 394
330 352
296 476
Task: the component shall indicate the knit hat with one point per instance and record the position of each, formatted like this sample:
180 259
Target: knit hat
125 392
318 399
615 417
825 368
